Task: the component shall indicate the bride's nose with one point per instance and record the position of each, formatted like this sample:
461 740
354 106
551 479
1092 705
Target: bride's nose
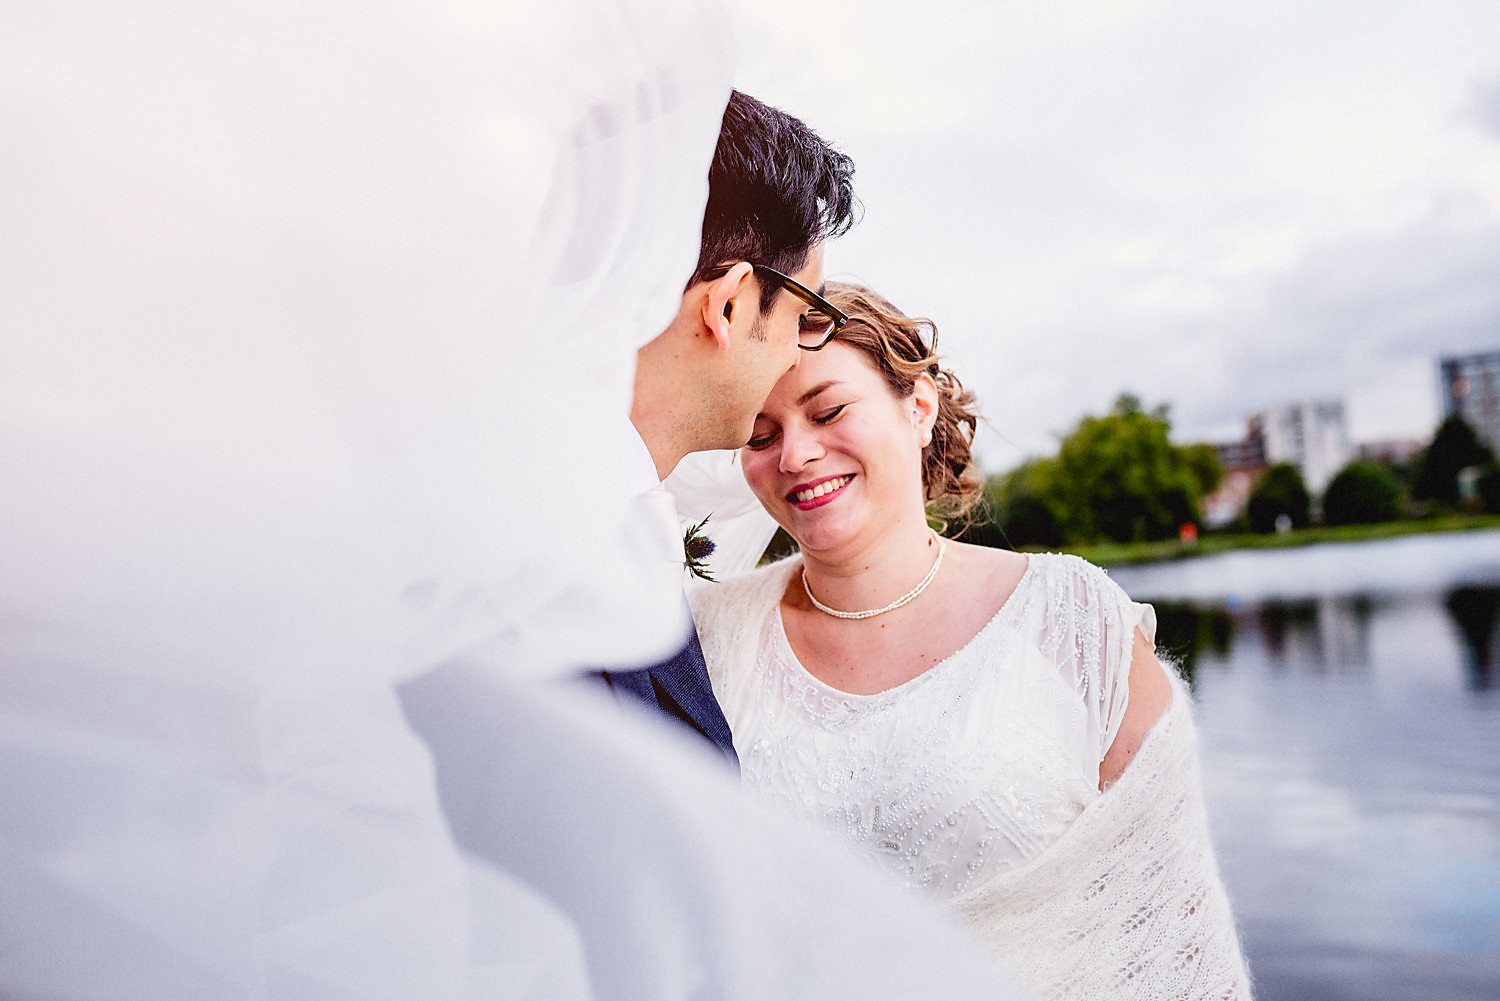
799 446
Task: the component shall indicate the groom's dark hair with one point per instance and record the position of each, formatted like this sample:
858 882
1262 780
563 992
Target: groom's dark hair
775 190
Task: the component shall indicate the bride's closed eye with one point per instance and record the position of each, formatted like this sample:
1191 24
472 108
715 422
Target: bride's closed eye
765 438
829 416
760 441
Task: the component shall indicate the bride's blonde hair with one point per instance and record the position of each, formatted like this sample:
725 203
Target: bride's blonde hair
902 348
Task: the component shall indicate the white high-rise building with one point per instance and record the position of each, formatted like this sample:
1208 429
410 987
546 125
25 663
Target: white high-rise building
1310 434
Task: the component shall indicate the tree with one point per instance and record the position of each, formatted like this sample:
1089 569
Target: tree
1016 511
1362 493
1489 488
1455 447
1203 462
1028 520
1119 476
1279 491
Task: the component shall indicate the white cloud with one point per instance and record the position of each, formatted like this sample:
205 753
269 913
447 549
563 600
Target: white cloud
1357 145
1207 205
1254 249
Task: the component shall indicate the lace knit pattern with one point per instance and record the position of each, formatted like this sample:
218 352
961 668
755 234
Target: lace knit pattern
977 780
1128 903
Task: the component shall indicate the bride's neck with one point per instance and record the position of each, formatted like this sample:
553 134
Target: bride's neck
875 573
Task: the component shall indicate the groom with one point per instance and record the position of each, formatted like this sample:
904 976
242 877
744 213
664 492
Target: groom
776 192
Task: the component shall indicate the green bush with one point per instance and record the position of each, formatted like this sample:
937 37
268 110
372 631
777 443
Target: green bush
1363 493
1279 491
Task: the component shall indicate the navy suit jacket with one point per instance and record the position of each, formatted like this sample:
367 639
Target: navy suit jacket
678 687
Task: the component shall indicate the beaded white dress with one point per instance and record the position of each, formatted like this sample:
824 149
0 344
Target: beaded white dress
978 771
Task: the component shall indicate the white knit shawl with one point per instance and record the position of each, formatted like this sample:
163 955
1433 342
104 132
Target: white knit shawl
1128 903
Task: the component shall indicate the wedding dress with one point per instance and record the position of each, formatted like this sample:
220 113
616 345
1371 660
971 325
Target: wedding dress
978 782
317 351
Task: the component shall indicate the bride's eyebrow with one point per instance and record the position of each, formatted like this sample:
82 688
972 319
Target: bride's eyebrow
815 391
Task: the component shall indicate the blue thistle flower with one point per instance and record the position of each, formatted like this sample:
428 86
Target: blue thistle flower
697 548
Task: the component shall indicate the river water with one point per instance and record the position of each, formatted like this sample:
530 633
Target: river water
1350 716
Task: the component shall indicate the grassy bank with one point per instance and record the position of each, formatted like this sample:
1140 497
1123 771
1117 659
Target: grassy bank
1112 554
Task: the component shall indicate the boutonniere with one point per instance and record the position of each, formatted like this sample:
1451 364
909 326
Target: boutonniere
696 549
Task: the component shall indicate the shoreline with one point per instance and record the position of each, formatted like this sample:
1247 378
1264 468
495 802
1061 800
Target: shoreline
1120 554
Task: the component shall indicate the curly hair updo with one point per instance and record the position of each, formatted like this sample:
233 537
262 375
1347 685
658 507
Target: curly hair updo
901 348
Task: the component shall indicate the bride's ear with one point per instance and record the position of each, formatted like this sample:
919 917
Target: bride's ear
924 401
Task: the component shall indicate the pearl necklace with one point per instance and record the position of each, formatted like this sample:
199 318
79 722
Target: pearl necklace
870 613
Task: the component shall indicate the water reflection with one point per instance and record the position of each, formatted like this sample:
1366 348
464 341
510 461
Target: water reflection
1329 633
1184 631
1475 611
1324 634
1351 745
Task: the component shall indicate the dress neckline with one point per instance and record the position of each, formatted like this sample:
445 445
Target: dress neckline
895 691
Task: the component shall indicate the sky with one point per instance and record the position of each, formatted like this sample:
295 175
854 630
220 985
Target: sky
1220 207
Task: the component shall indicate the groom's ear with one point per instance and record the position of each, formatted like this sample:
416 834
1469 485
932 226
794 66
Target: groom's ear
726 299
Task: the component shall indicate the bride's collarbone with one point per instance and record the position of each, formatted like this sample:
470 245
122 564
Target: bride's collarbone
864 656
869 655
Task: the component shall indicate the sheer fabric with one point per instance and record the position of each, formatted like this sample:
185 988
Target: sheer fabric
312 298
312 316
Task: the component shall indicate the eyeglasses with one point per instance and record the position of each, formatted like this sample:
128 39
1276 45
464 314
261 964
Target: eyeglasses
815 329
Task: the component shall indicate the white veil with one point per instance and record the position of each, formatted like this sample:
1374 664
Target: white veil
318 326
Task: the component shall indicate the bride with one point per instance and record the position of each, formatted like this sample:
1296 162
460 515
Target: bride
991 726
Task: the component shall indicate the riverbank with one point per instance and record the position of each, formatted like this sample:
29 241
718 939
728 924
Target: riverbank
1347 703
1111 554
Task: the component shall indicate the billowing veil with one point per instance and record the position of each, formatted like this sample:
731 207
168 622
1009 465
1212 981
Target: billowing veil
316 333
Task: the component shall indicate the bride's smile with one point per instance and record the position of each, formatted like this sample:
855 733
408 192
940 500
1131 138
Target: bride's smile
819 492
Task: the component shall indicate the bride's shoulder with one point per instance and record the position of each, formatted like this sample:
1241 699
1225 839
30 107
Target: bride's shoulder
1052 568
1071 583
